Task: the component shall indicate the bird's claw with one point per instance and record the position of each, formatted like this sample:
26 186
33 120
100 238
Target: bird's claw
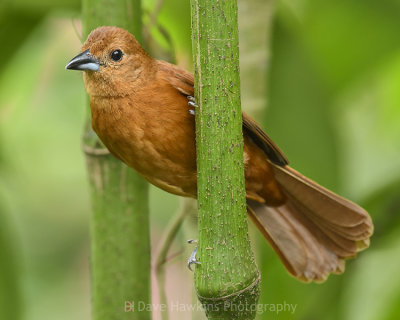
192 104
192 258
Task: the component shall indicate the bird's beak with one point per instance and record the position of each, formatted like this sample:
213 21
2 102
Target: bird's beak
83 61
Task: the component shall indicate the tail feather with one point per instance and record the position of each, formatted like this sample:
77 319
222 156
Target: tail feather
356 232
315 230
301 253
319 200
321 228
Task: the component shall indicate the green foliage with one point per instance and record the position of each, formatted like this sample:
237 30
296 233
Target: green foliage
42 177
299 117
333 71
11 300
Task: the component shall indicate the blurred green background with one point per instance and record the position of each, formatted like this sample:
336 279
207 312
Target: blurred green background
322 76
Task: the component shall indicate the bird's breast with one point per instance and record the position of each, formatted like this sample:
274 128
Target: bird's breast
155 138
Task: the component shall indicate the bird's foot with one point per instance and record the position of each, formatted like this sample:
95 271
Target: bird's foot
192 104
192 258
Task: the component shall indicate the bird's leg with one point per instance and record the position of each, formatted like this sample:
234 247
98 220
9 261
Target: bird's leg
192 104
192 258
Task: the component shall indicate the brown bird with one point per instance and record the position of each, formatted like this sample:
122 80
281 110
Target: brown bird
140 112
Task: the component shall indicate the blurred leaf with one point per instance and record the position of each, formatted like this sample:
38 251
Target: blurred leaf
11 302
41 6
175 15
172 30
373 292
368 122
254 51
19 25
384 206
346 38
41 118
299 116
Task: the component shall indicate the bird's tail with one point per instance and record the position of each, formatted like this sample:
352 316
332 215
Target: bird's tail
315 230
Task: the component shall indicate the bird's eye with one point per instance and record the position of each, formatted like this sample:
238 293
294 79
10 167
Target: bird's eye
116 55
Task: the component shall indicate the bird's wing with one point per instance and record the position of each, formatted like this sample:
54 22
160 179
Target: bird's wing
265 143
183 81
180 79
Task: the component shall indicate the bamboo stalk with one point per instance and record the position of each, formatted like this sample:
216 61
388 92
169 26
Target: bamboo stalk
120 234
227 280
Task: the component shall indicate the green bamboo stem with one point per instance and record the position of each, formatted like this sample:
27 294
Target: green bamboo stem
120 236
122 13
227 280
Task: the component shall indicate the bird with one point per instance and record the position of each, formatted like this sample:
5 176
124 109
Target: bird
142 110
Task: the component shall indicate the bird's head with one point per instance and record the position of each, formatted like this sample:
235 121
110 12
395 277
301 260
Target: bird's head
112 61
